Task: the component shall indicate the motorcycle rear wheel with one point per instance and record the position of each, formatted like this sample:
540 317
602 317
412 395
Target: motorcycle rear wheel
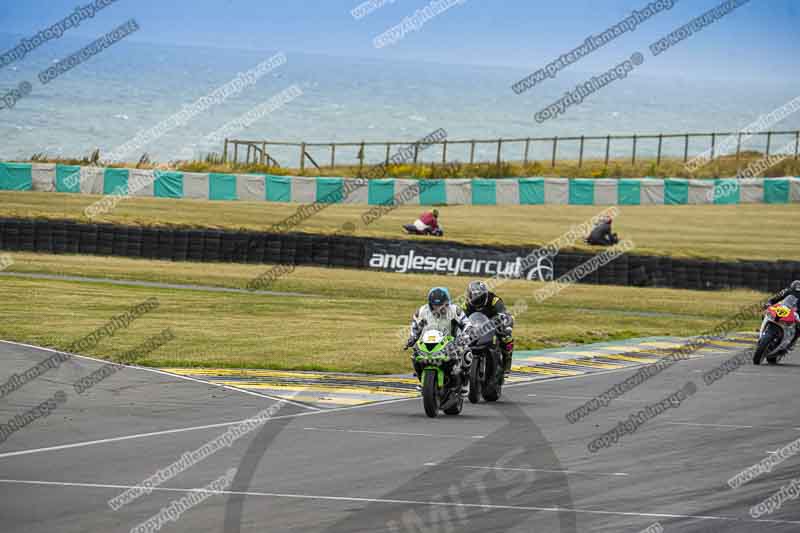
493 388
457 407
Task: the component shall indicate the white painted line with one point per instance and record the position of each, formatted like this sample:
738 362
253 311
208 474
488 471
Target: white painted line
231 387
578 472
192 428
416 503
728 426
157 371
731 426
224 424
583 398
441 435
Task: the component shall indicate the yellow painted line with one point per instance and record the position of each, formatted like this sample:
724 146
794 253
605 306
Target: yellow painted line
631 359
545 371
624 348
589 363
284 374
582 353
327 400
662 344
319 388
727 343
541 359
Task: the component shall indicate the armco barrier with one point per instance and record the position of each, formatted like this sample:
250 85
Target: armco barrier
390 255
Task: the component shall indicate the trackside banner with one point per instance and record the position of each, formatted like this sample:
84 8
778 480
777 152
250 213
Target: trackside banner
454 260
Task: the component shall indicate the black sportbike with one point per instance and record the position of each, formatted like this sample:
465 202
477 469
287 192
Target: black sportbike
486 371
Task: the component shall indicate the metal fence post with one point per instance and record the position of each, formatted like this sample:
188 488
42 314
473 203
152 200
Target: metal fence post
713 146
527 147
263 153
472 152
225 152
499 149
608 147
333 155
580 154
796 142
235 152
660 141
738 146
444 152
416 152
302 157
769 141
555 146
633 160
388 150
686 148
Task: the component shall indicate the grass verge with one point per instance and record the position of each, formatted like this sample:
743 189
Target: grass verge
347 321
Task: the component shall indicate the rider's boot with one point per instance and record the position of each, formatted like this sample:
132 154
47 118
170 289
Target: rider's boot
507 349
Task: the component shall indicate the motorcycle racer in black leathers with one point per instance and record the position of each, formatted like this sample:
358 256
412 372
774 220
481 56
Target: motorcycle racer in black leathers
480 299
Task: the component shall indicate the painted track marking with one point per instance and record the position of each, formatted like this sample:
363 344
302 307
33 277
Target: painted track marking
424 503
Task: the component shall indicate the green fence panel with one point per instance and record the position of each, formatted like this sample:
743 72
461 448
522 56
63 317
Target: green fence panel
68 178
279 188
115 181
629 192
432 192
330 190
676 192
581 192
168 185
531 191
381 192
776 191
16 177
222 187
484 192
726 191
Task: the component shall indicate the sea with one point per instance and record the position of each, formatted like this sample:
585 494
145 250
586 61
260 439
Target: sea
132 86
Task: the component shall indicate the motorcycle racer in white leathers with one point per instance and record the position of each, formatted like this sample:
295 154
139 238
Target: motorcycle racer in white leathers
442 315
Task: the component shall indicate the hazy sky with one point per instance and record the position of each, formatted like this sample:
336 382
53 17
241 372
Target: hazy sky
757 41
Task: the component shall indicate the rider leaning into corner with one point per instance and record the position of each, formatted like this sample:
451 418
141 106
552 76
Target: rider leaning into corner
792 290
442 315
481 300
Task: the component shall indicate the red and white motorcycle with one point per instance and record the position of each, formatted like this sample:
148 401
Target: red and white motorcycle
777 330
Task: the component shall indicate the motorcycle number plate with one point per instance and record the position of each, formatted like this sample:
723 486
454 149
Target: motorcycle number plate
782 311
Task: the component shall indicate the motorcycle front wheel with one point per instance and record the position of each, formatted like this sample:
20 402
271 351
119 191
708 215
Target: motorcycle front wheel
476 373
771 334
430 398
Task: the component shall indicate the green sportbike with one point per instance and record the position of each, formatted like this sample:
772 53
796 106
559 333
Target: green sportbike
440 372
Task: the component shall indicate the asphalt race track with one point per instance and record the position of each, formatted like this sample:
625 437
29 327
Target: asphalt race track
514 466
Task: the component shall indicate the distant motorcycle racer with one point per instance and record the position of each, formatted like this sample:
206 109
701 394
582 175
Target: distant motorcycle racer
792 290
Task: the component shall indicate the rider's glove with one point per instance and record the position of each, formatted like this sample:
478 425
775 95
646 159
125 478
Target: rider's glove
409 344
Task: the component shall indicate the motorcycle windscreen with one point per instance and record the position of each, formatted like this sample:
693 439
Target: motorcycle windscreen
478 320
